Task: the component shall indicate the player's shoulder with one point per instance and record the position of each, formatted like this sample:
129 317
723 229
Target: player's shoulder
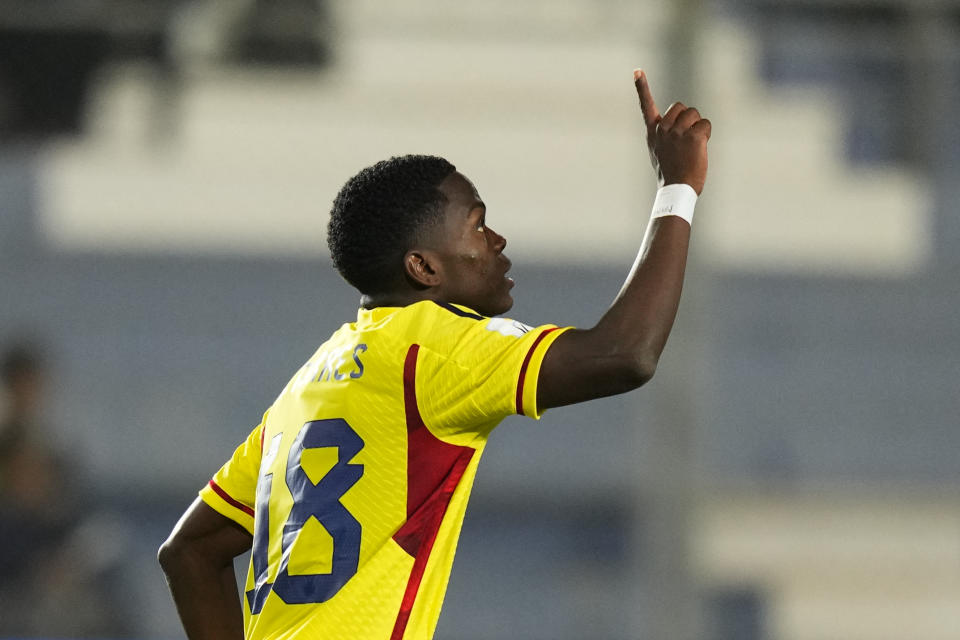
507 327
444 321
439 313
441 326
430 321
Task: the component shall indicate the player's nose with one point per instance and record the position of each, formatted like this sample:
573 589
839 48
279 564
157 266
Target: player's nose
499 242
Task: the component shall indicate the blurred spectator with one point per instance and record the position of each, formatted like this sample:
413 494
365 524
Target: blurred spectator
53 563
28 473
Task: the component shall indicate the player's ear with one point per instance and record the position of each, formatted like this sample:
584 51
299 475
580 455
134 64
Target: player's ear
421 269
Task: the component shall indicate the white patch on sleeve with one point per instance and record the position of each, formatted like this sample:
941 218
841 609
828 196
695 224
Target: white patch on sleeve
508 327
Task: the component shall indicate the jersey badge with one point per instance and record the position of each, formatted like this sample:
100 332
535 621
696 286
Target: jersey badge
508 327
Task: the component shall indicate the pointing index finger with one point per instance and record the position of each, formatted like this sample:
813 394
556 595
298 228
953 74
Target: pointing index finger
651 116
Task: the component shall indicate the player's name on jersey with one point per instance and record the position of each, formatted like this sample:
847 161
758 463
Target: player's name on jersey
333 364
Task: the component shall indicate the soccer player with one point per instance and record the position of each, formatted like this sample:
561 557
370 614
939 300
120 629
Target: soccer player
351 491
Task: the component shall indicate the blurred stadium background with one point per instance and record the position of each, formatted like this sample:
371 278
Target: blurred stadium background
792 473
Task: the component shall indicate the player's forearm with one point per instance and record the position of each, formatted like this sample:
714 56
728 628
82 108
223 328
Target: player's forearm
197 559
205 594
639 321
622 351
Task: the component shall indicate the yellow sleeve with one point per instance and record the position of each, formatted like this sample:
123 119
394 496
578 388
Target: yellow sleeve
480 370
232 491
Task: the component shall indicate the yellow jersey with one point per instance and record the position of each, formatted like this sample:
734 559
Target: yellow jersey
355 484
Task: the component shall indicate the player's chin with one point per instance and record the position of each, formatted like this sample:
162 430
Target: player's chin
494 305
503 304
497 299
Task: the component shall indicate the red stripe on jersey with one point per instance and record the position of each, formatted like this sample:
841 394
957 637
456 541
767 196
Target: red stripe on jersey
434 469
231 501
523 369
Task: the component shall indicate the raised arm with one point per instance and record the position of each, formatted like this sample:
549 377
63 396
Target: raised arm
622 351
197 559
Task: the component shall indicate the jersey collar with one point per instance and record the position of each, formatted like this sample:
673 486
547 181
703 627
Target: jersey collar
366 317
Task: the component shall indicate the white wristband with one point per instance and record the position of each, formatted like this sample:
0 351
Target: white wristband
675 200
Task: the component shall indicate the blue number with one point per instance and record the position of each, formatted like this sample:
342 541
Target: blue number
320 501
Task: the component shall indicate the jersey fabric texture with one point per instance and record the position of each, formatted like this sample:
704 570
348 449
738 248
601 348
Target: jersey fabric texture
355 484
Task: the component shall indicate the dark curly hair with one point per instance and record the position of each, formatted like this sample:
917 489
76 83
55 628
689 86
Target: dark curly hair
377 216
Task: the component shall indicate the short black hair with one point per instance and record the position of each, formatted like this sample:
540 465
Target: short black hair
378 214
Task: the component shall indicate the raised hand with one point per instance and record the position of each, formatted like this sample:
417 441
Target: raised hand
677 140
